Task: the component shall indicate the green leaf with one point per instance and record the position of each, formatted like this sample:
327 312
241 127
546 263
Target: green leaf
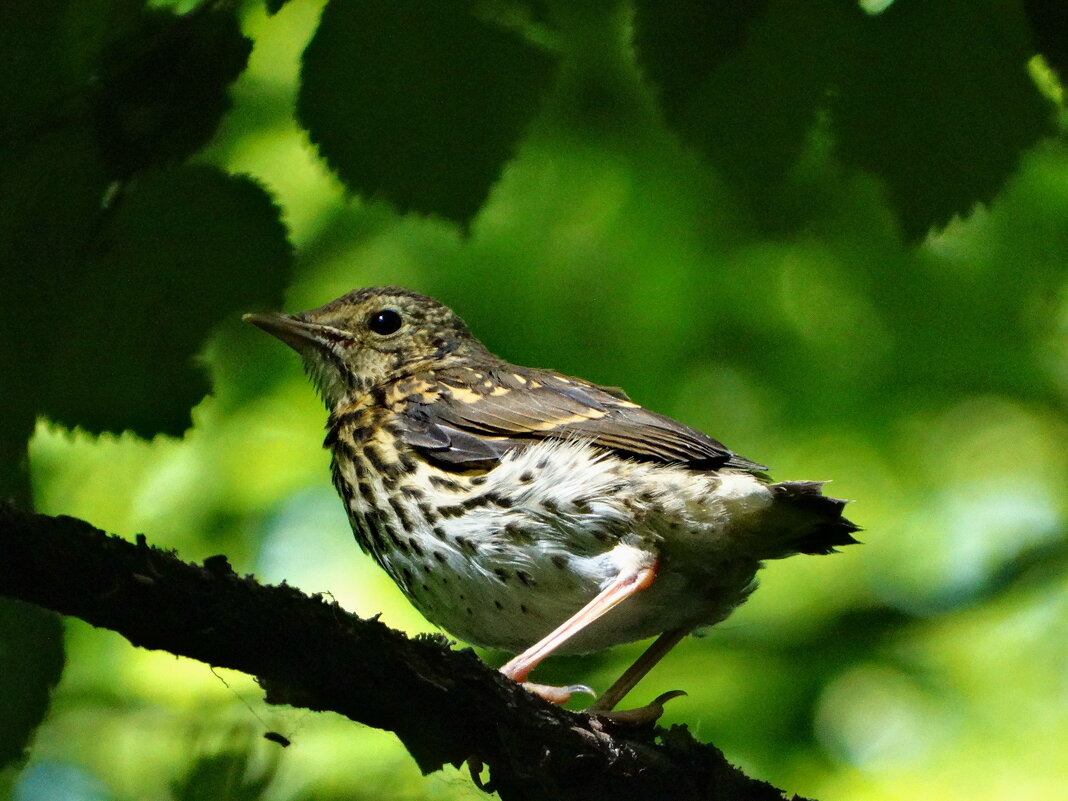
936 100
680 44
184 250
234 773
1049 29
743 82
49 55
31 661
420 103
57 182
163 87
108 313
33 70
933 98
153 84
108 301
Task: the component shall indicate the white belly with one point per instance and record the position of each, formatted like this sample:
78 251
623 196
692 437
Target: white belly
502 559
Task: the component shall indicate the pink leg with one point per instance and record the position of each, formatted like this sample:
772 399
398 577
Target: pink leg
625 585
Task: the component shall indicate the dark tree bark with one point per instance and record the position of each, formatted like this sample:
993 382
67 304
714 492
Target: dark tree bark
446 706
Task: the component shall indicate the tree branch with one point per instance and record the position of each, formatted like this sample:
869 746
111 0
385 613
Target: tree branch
446 706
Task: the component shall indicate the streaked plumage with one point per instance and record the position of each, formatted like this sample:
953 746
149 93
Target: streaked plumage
502 499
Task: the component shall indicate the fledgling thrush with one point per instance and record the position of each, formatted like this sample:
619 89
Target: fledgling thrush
525 510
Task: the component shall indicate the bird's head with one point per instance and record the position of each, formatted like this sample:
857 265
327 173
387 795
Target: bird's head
371 336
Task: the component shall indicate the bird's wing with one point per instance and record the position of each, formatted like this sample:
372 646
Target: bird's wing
478 416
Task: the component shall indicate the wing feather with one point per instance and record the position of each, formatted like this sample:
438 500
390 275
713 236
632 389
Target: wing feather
465 429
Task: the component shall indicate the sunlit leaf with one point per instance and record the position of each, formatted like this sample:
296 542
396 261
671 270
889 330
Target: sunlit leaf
1049 27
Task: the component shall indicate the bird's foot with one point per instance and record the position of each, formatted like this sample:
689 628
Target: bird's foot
557 695
650 713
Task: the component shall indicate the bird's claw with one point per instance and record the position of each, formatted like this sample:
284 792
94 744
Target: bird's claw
557 695
640 716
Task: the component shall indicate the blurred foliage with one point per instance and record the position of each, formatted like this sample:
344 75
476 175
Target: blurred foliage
831 234
31 661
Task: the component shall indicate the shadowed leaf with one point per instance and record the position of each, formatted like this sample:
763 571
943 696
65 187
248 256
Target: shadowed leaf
680 44
742 83
420 103
181 252
164 87
31 661
108 301
937 101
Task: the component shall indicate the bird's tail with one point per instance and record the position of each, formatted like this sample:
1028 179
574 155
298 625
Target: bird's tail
815 521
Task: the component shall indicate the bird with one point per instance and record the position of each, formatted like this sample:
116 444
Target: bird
533 512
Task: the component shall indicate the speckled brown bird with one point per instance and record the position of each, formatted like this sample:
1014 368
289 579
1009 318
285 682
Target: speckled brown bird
526 510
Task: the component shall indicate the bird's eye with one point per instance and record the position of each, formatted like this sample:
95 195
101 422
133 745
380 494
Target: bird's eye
384 321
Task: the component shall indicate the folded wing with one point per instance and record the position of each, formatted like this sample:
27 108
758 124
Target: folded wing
478 417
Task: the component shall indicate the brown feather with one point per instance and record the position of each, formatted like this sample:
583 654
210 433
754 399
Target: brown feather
464 428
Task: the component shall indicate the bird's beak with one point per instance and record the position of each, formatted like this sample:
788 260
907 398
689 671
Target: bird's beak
298 334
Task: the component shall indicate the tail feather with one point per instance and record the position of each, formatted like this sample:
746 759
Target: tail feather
822 526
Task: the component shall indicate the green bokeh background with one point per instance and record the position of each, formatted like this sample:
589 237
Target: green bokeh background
928 382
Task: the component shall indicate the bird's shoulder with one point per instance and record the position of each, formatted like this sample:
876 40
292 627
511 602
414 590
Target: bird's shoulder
465 416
